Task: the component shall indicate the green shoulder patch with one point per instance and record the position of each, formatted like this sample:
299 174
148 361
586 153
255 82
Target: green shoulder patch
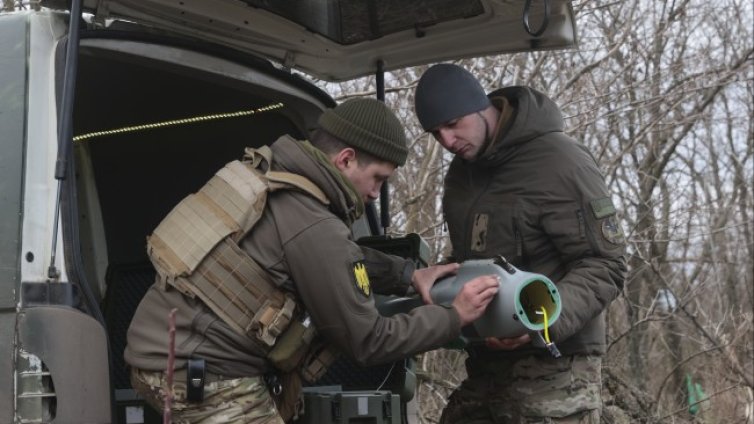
612 231
361 278
602 207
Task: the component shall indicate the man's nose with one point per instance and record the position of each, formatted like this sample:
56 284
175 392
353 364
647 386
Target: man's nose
446 137
375 192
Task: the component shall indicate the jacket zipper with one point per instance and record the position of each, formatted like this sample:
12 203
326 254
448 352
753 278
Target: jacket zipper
518 239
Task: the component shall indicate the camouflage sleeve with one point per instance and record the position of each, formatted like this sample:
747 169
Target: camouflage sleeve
333 281
594 258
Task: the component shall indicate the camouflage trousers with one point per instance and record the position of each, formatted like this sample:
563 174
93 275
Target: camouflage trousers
234 401
530 390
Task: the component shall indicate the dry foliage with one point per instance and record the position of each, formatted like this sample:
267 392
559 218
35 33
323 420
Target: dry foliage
661 91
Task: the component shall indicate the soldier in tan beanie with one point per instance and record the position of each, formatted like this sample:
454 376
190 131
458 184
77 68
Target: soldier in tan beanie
271 299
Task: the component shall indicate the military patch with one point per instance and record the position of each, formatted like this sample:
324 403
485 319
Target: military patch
602 207
362 278
612 230
479 232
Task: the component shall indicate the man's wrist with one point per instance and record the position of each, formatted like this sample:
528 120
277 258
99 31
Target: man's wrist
408 276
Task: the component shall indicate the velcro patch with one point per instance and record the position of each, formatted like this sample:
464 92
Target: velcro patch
612 231
361 278
479 232
602 207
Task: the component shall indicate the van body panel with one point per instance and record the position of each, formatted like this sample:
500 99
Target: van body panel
73 347
7 335
14 46
40 189
13 81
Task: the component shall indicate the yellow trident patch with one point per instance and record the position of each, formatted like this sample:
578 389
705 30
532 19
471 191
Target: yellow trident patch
362 279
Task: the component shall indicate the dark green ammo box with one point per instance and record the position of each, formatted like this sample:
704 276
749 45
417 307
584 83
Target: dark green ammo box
324 405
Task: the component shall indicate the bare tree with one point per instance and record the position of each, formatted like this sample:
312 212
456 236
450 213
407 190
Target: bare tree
661 92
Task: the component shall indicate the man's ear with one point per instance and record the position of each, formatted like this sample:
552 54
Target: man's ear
345 159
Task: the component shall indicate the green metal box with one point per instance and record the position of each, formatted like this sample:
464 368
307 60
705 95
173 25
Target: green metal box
324 406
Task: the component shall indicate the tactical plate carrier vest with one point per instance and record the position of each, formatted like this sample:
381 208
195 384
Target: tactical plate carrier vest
195 250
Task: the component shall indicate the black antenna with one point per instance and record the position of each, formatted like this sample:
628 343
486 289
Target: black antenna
384 190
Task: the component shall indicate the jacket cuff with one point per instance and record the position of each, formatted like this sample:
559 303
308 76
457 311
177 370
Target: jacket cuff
407 275
455 321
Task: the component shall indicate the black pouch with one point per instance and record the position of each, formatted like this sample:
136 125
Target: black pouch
195 377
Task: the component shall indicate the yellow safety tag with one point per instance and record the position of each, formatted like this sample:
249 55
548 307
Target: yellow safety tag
362 279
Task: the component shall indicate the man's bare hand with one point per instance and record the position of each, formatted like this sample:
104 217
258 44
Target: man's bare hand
512 343
474 297
424 278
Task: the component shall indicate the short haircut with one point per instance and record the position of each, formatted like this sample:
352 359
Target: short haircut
331 145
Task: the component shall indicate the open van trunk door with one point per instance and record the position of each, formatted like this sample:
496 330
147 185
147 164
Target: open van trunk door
338 40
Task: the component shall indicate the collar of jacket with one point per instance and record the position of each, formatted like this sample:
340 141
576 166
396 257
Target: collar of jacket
300 157
532 115
503 123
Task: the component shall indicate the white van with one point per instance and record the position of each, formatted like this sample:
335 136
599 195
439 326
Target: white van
106 124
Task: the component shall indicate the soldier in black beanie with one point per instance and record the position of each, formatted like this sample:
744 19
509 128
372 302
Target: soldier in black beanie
520 187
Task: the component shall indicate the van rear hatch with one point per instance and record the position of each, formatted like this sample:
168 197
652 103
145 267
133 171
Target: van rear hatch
339 40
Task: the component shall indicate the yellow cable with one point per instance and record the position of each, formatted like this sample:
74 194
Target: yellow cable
547 333
178 122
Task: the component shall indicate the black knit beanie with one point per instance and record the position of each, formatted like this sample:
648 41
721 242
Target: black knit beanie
446 92
368 125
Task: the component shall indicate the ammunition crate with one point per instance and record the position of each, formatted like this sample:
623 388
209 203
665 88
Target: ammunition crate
324 405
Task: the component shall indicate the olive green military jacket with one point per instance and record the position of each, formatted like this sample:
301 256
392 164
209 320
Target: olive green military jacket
537 197
307 248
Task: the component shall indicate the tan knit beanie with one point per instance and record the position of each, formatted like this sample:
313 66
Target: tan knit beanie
367 124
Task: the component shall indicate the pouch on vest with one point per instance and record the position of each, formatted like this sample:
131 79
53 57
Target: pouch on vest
291 347
195 248
318 359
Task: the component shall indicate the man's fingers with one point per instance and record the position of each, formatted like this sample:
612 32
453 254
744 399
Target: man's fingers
446 269
424 278
482 290
482 299
474 297
480 285
427 298
490 292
